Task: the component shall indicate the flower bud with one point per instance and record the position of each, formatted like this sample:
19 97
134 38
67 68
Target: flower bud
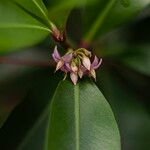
58 35
80 73
93 73
74 77
74 67
86 62
87 53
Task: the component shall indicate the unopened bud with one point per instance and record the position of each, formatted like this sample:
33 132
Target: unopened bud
57 34
74 77
74 67
80 73
86 62
93 73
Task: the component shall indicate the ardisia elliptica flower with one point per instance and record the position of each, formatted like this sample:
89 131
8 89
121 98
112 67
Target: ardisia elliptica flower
77 63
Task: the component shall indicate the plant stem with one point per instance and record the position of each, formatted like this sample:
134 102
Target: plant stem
65 44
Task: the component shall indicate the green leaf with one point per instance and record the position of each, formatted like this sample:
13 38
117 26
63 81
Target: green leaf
60 10
81 119
36 8
18 28
106 15
128 105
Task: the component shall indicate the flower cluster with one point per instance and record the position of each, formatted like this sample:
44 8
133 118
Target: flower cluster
77 63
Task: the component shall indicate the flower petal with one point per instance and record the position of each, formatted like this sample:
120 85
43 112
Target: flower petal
59 64
84 70
74 67
67 66
93 73
74 77
80 73
87 53
95 61
97 66
63 68
67 57
86 62
56 55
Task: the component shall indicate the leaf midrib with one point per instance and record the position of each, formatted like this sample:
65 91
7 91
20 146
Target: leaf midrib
14 25
42 11
77 116
45 17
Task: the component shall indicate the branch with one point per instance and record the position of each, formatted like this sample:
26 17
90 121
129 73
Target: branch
8 60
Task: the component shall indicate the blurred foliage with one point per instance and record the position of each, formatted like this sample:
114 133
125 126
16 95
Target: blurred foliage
39 86
131 107
26 90
16 26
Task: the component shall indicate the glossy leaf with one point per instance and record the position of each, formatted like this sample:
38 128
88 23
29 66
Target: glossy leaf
18 28
128 105
60 10
81 119
106 15
36 8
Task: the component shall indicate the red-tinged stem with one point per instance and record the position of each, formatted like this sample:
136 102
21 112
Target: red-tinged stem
8 60
60 37
85 45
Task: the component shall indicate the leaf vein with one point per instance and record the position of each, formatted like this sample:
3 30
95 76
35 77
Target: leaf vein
24 26
42 11
77 116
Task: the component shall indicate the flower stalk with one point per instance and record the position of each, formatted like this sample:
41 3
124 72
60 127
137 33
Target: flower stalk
59 36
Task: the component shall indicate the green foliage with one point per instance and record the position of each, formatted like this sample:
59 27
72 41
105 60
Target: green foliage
59 10
81 118
128 106
28 121
36 8
21 17
18 28
106 15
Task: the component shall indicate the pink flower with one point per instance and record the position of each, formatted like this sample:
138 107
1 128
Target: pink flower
74 77
62 62
96 63
86 62
77 63
56 55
